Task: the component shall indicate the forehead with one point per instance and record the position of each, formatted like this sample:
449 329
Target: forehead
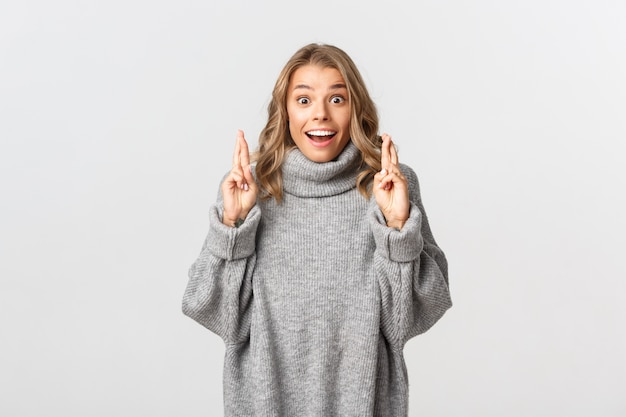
315 75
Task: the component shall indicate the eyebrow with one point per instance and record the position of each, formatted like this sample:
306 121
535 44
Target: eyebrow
332 87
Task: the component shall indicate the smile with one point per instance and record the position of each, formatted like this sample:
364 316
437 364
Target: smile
320 138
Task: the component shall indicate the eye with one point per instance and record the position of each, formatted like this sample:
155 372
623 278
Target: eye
303 100
337 100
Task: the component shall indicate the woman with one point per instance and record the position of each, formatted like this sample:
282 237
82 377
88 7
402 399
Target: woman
319 263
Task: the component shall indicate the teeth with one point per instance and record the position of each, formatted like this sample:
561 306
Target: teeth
321 133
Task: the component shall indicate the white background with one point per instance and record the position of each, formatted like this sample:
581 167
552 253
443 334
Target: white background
118 118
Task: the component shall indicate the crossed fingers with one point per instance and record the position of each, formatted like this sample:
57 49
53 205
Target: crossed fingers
389 163
241 161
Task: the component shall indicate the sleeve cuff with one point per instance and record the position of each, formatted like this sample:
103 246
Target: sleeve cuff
232 243
403 245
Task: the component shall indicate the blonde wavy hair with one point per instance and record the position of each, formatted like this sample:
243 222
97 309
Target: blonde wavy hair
275 140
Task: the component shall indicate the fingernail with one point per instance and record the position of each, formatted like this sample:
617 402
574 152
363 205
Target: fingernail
383 171
245 187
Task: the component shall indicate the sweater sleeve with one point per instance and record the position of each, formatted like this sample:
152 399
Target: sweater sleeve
219 290
412 271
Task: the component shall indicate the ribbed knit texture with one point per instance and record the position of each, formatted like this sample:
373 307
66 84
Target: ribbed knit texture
315 297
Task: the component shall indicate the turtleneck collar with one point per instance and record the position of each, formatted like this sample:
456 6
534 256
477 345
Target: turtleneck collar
305 178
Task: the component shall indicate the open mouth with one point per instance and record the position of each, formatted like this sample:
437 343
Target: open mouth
321 135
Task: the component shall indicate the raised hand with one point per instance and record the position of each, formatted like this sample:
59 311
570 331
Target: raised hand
239 189
390 186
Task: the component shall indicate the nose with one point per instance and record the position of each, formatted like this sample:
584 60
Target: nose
320 111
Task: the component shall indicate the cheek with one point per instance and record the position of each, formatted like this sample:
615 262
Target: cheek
292 130
294 116
344 116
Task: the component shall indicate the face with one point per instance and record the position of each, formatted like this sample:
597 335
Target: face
319 112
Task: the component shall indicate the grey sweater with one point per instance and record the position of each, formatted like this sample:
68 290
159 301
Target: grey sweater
316 297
